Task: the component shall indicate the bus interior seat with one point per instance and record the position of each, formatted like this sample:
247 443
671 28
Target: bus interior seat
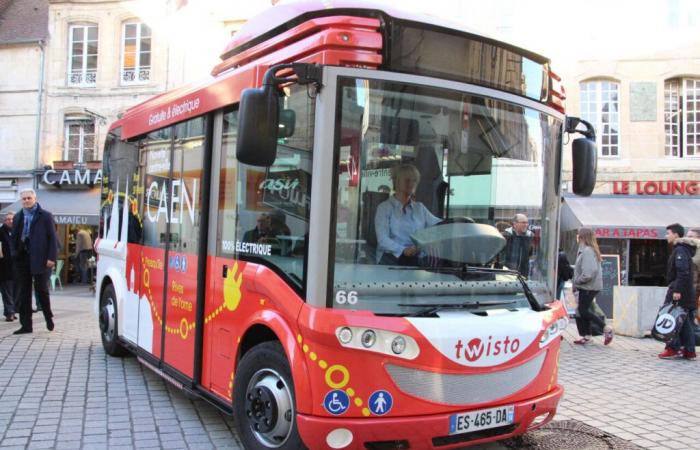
432 188
370 202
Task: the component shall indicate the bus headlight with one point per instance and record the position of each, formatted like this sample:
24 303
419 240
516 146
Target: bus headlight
369 337
378 341
345 335
398 345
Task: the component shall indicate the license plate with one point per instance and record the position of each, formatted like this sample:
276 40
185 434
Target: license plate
482 419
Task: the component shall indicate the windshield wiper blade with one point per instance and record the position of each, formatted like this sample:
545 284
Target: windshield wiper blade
432 308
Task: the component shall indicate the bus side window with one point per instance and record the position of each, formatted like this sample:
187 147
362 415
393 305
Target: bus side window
272 211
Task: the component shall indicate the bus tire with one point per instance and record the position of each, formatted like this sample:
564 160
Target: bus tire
264 399
108 323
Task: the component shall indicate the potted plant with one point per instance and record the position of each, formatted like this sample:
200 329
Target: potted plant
63 165
93 164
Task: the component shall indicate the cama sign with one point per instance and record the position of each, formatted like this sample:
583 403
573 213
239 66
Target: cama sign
76 177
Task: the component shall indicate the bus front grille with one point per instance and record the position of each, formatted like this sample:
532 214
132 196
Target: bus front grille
461 389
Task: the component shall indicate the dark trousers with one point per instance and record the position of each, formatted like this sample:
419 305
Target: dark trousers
390 260
8 297
686 336
23 285
83 257
585 300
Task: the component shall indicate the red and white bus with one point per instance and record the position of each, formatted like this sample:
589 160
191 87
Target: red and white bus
240 241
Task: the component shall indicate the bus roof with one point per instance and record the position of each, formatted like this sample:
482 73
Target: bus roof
340 32
287 14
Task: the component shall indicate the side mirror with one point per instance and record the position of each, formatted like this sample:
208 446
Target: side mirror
584 157
260 121
258 125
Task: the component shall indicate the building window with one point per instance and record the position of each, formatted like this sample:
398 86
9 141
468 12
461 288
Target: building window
682 117
82 59
136 53
600 105
80 139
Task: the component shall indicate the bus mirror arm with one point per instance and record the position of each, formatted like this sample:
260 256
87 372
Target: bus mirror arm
584 156
259 114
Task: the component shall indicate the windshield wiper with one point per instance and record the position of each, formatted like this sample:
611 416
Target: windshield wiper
431 308
471 269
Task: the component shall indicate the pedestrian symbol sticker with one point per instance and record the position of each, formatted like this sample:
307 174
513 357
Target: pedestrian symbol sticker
336 402
380 402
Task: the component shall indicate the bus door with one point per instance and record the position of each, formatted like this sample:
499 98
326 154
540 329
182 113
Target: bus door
156 157
218 348
184 214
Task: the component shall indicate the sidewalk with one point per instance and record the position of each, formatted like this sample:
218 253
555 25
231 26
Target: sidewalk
59 390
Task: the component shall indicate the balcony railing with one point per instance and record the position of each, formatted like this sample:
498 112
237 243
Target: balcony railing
133 76
83 78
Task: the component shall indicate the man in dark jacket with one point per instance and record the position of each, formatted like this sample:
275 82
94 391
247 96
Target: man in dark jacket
679 274
516 254
6 269
35 247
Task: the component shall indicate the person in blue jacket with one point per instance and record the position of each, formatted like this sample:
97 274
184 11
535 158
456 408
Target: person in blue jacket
34 251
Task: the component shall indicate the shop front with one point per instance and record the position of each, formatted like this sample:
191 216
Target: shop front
630 227
73 198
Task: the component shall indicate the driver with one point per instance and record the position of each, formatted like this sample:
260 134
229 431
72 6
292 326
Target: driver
398 217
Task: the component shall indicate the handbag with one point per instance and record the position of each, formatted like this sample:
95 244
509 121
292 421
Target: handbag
668 322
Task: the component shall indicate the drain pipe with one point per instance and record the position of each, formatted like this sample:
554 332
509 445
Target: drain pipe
37 139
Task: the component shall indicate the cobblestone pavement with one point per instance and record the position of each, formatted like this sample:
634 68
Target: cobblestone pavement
59 390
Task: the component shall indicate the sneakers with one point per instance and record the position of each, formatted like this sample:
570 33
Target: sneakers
608 335
690 356
670 353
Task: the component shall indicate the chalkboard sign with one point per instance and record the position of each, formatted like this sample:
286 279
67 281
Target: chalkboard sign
611 277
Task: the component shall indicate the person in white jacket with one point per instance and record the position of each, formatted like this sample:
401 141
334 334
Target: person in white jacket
588 281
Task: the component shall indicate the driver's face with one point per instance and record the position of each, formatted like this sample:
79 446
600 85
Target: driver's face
407 183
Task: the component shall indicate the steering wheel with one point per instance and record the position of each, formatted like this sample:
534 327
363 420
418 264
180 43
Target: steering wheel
456 219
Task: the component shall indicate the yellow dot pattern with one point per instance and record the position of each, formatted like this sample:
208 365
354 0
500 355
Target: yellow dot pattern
184 328
329 371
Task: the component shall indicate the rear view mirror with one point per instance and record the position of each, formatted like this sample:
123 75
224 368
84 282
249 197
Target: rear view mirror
585 163
287 121
258 126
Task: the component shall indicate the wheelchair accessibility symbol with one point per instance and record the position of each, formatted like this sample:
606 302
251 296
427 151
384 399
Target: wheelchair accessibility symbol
380 402
336 402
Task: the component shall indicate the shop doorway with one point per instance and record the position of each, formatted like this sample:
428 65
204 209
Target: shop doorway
647 262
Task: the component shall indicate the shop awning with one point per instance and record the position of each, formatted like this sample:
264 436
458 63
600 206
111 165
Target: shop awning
69 207
620 217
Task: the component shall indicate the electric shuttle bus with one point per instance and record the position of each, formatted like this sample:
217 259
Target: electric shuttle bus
247 252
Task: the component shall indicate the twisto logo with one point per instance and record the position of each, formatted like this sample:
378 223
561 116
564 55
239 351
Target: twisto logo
476 348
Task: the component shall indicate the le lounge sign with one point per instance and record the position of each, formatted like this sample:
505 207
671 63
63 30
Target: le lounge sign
676 187
77 177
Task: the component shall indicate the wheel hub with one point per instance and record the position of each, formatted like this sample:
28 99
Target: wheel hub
106 319
268 408
261 409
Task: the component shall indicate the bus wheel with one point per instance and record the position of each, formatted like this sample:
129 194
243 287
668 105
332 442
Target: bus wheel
108 323
263 395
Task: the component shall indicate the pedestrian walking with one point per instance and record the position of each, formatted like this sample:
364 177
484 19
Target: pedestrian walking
83 248
6 270
588 281
564 273
35 246
694 236
679 275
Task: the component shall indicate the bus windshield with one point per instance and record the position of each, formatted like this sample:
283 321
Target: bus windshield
444 200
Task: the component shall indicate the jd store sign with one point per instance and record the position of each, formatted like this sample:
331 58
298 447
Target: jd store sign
76 177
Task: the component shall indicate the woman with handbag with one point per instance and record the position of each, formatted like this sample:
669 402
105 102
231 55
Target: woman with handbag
588 281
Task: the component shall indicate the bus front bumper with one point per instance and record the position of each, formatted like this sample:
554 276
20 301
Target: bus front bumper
420 432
